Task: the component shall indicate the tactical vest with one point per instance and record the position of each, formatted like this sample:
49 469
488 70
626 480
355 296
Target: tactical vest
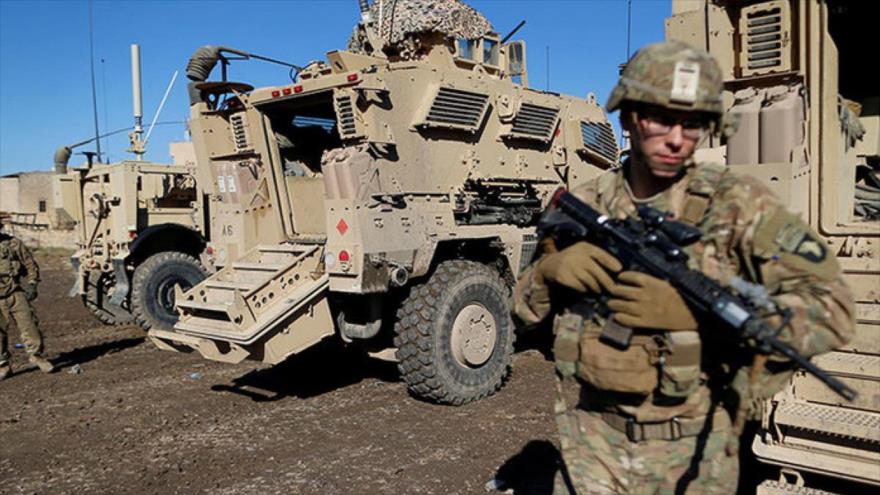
664 363
10 268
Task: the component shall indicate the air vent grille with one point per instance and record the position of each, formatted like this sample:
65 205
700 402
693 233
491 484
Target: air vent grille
535 122
764 29
764 39
529 247
454 108
345 116
239 132
599 139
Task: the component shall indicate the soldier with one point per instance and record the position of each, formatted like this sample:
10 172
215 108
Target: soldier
663 415
19 276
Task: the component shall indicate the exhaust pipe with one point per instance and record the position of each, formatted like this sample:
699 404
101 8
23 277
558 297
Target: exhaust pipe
62 158
399 276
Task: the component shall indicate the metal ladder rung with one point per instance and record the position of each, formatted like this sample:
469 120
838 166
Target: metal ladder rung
262 267
220 284
203 306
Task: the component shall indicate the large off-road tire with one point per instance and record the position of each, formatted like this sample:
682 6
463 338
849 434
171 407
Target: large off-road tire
455 335
98 291
152 293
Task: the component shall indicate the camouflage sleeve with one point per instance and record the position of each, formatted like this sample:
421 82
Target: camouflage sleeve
795 265
531 296
32 270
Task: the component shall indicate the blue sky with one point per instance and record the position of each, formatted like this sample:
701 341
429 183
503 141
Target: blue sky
45 92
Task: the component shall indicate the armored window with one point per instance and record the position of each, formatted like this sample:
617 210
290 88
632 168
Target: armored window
516 58
598 141
534 122
490 52
466 49
455 109
42 206
304 121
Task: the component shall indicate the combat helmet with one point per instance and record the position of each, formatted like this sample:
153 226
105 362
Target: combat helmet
674 75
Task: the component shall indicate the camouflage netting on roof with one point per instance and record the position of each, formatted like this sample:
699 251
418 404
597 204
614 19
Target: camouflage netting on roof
402 17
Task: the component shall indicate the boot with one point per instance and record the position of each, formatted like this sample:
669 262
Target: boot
43 363
5 371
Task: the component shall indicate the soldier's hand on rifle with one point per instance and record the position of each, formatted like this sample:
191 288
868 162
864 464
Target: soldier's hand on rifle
30 291
640 300
581 266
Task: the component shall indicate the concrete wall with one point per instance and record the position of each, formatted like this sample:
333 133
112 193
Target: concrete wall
24 195
35 196
9 194
41 237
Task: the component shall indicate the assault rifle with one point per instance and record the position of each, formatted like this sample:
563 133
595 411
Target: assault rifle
653 245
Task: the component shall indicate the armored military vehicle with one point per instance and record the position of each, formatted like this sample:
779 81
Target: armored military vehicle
809 125
388 195
140 227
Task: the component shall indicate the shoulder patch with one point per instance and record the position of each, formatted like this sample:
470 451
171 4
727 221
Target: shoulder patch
811 249
784 237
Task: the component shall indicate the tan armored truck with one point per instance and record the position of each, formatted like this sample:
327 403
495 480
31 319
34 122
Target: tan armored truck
388 196
797 79
140 234
140 225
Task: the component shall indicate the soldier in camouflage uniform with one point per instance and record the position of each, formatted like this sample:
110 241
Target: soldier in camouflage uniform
19 276
662 416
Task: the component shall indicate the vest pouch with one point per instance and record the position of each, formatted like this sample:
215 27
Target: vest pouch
607 368
680 371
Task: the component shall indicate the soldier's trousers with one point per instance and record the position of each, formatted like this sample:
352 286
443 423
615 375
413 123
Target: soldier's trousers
15 307
601 460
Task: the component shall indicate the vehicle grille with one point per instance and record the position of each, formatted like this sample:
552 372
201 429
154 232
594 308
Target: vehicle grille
529 247
345 116
457 108
239 133
599 138
764 38
534 121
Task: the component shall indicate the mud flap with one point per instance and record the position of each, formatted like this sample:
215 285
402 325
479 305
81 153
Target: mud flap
77 288
122 283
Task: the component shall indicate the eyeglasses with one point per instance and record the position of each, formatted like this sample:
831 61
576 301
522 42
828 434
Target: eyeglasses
658 125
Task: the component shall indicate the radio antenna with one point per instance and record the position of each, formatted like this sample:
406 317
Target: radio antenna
94 96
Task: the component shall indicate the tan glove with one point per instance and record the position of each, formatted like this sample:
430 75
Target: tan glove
640 300
580 266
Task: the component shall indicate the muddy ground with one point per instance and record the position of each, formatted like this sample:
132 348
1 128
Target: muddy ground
140 420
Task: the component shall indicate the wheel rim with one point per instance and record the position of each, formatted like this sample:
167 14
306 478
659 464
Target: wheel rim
165 293
474 333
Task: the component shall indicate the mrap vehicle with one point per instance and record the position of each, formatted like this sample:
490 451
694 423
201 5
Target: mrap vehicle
388 196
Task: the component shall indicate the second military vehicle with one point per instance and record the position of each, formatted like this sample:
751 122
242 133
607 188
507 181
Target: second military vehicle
140 225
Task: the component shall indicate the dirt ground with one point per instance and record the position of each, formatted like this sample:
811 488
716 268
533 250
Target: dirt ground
330 420
139 420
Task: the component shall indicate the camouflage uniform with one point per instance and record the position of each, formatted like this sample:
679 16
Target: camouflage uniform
657 417
19 275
